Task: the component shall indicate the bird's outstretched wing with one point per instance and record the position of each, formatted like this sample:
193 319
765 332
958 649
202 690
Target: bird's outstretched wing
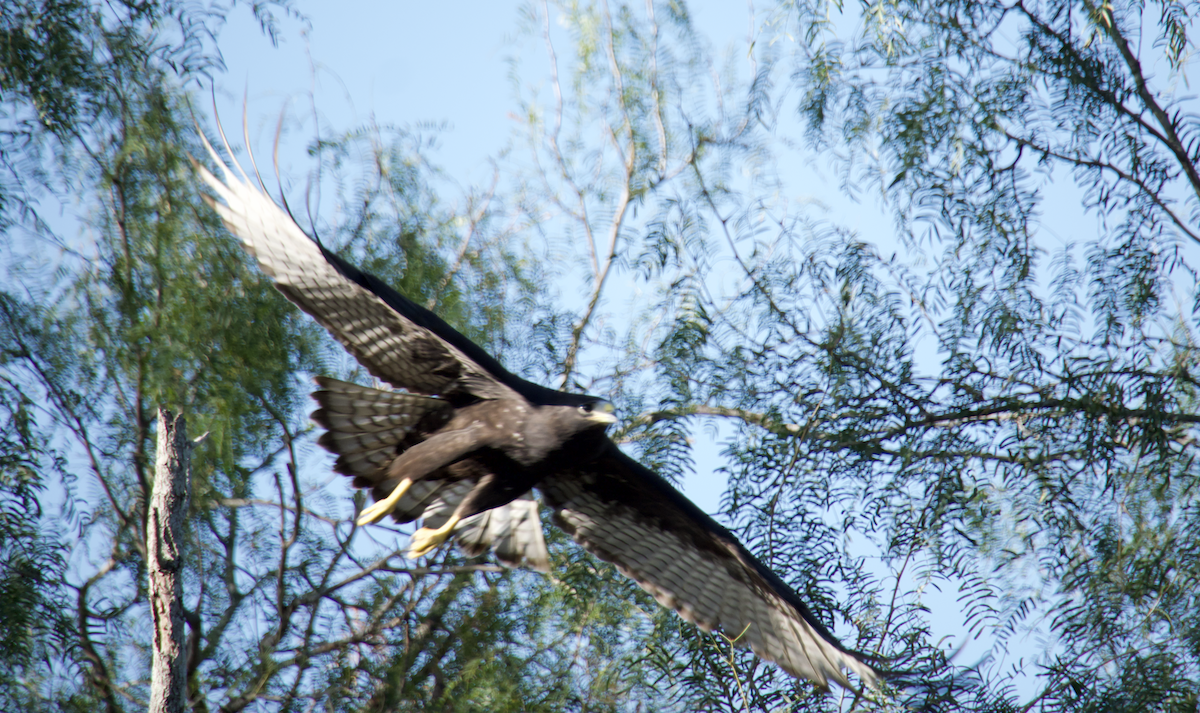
397 340
626 514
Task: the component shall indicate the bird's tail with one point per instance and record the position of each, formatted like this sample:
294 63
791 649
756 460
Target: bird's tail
367 428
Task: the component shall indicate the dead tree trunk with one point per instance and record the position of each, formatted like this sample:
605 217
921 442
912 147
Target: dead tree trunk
164 543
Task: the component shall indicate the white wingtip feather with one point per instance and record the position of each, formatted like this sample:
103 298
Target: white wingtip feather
282 249
216 158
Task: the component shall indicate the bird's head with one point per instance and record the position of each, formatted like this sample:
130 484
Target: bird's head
553 425
597 413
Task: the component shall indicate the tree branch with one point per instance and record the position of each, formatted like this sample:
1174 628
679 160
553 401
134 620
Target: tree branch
164 539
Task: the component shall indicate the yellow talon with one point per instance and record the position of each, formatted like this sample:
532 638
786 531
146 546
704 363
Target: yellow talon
426 540
380 509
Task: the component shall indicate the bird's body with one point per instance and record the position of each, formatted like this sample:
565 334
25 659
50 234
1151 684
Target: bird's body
465 443
512 443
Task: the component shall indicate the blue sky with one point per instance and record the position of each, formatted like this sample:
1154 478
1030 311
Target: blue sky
399 62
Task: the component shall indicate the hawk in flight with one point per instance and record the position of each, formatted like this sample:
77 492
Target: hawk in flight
462 443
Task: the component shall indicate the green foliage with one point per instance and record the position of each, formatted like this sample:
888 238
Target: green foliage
1044 453
61 67
992 411
31 561
455 258
1069 409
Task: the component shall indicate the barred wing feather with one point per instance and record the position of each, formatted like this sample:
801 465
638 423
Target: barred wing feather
625 514
395 339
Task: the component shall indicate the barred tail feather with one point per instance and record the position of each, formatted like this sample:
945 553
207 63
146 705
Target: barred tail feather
367 428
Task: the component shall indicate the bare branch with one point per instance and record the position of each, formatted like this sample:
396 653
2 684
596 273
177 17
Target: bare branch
164 536
1105 166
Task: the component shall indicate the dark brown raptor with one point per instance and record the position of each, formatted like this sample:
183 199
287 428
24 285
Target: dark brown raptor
465 442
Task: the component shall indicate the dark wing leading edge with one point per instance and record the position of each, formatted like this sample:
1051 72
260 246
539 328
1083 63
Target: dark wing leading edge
628 515
397 340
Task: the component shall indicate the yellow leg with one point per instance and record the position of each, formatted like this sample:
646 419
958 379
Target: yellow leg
380 509
426 540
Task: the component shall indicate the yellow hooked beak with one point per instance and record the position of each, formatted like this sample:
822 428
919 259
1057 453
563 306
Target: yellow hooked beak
602 412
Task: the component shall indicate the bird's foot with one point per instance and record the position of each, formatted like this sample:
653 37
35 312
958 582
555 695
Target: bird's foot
380 509
427 540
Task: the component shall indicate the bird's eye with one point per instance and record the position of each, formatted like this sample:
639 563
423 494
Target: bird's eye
586 408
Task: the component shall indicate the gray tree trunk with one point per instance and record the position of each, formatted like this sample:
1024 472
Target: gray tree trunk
164 535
